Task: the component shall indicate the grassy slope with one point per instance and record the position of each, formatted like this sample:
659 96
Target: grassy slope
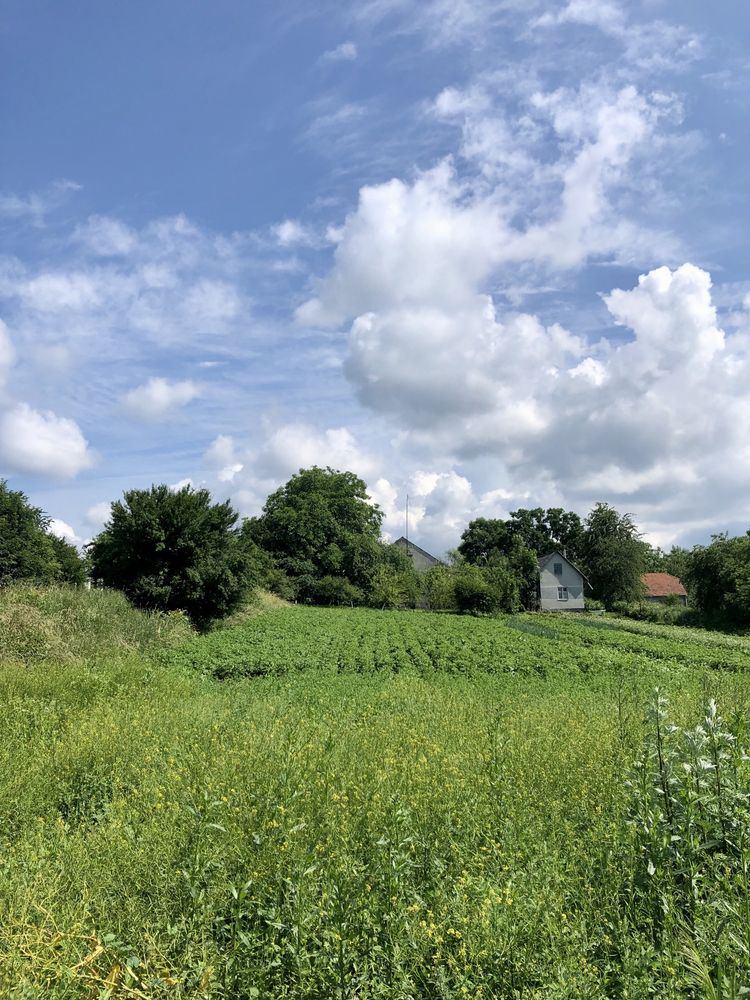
318 834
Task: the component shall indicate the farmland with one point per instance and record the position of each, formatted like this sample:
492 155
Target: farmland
316 803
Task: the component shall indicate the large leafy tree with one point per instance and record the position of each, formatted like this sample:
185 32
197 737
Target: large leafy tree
173 550
321 526
520 540
613 555
719 578
536 529
26 550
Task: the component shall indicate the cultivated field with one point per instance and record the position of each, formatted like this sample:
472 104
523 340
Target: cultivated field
359 804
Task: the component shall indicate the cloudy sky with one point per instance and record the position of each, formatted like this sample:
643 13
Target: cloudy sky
489 253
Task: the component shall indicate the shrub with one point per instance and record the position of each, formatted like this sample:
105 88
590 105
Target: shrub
171 550
647 611
591 604
440 589
337 590
483 591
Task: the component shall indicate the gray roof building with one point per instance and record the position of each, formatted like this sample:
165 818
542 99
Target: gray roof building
422 560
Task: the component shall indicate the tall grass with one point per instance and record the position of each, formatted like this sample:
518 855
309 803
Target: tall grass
68 624
405 834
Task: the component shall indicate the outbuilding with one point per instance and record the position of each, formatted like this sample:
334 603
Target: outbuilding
662 587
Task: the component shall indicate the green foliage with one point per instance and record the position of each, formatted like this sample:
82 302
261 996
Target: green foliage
484 590
613 555
719 578
172 550
591 604
406 805
670 612
69 567
394 588
336 590
26 550
538 530
690 813
321 524
439 588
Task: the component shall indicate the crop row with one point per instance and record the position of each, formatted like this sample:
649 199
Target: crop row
364 641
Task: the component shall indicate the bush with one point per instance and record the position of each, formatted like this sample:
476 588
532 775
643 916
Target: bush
394 588
69 567
277 581
591 604
337 590
648 611
170 550
484 591
440 588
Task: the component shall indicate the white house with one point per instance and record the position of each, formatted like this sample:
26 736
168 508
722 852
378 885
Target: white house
561 584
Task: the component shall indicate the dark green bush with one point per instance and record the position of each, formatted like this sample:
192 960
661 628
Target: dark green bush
170 550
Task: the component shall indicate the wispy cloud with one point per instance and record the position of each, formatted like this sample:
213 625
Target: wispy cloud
345 52
35 207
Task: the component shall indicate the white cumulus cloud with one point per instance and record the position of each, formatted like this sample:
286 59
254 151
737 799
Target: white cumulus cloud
98 514
159 398
43 444
61 529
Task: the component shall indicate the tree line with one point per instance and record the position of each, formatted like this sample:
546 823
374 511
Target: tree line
318 540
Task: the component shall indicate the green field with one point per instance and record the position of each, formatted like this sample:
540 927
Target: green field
318 803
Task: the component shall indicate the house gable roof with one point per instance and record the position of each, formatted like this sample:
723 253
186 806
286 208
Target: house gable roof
663 585
406 542
545 560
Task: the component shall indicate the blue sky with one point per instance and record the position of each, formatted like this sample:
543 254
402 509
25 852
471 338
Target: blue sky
489 253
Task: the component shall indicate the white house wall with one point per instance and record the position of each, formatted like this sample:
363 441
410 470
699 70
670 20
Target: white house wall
549 582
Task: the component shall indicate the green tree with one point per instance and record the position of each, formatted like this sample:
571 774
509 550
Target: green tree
439 588
487 589
719 579
613 555
483 538
536 529
653 559
395 583
677 562
321 524
521 540
26 550
565 532
523 563
68 567
173 550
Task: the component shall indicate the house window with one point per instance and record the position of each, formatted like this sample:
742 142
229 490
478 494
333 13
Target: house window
558 569
562 593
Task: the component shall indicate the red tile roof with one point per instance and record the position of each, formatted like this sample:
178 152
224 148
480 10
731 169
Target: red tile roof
662 585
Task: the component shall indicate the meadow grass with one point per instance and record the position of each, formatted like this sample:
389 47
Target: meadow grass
365 832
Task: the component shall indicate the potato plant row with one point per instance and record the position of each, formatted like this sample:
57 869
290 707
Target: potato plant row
335 640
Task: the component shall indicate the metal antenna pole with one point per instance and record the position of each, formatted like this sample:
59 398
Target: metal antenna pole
407 523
